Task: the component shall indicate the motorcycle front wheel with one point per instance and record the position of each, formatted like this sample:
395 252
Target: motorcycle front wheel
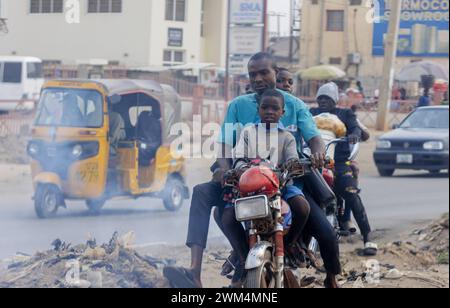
262 277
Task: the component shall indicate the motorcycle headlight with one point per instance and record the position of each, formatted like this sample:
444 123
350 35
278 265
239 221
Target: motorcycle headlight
252 208
77 151
33 149
434 145
384 144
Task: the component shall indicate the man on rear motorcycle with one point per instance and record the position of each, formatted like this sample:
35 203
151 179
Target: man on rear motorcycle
243 111
266 140
346 183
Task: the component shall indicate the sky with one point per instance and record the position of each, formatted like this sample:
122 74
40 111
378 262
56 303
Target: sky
279 6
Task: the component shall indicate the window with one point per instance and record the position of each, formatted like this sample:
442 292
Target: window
178 56
70 108
58 6
202 21
12 72
34 70
172 57
46 6
116 6
335 20
336 61
104 6
355 2
167 56
176 10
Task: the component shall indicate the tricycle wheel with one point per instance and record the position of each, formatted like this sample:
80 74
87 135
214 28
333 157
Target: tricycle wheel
95 205
174 195
47 200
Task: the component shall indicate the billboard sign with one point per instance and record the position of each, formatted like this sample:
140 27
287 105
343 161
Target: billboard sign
246 40
247 12
238 65
424 30
175 37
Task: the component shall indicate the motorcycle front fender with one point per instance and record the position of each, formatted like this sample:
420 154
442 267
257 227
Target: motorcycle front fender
256 255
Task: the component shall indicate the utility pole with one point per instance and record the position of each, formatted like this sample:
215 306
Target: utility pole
295 21
390 53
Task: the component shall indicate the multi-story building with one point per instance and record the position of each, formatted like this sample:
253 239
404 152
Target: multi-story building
133 33
350 34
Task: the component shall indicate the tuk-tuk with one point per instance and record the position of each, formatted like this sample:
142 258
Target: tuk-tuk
105 139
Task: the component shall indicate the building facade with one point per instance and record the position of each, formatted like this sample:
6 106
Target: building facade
347 34
133 33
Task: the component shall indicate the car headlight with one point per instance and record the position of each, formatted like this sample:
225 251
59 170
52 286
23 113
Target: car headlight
384 144
33 149
77 151
252 208
433 145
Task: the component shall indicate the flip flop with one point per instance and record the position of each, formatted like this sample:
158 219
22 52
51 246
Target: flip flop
370 249
180 278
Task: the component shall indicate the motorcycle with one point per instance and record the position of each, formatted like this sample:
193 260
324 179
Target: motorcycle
256 188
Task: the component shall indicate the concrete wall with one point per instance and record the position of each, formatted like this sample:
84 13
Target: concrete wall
214 40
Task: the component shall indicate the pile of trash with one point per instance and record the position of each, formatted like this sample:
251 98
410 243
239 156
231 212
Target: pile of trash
434 238
112 265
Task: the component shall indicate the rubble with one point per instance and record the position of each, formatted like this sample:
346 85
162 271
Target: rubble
111 265
13 150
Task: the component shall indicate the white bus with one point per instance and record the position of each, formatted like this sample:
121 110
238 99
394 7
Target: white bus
21 79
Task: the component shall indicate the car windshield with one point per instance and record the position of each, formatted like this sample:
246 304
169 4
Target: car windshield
427 118
70 108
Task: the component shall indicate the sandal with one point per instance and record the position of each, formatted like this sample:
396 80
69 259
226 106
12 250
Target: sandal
370 249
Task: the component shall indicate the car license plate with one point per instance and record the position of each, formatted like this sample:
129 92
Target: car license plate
405 159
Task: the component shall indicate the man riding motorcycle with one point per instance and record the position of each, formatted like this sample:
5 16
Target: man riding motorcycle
242 111
346 183
281 148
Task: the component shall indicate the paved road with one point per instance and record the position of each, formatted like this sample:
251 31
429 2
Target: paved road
393 204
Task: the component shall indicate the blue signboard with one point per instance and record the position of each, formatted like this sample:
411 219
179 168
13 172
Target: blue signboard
423 29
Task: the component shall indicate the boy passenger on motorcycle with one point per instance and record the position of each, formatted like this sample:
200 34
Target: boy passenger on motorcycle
254 143
243 110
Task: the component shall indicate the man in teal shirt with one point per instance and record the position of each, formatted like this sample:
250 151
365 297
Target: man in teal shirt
243 111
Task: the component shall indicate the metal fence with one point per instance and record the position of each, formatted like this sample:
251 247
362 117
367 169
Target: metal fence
15 124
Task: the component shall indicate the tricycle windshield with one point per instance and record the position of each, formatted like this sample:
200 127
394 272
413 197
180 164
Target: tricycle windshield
70 108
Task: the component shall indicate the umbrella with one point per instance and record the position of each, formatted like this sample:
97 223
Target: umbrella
415 70
322 72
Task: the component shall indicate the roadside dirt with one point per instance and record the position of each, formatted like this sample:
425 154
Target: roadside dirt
419 259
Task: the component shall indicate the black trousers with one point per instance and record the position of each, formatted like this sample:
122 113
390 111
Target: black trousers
347 188
320 228
204 197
